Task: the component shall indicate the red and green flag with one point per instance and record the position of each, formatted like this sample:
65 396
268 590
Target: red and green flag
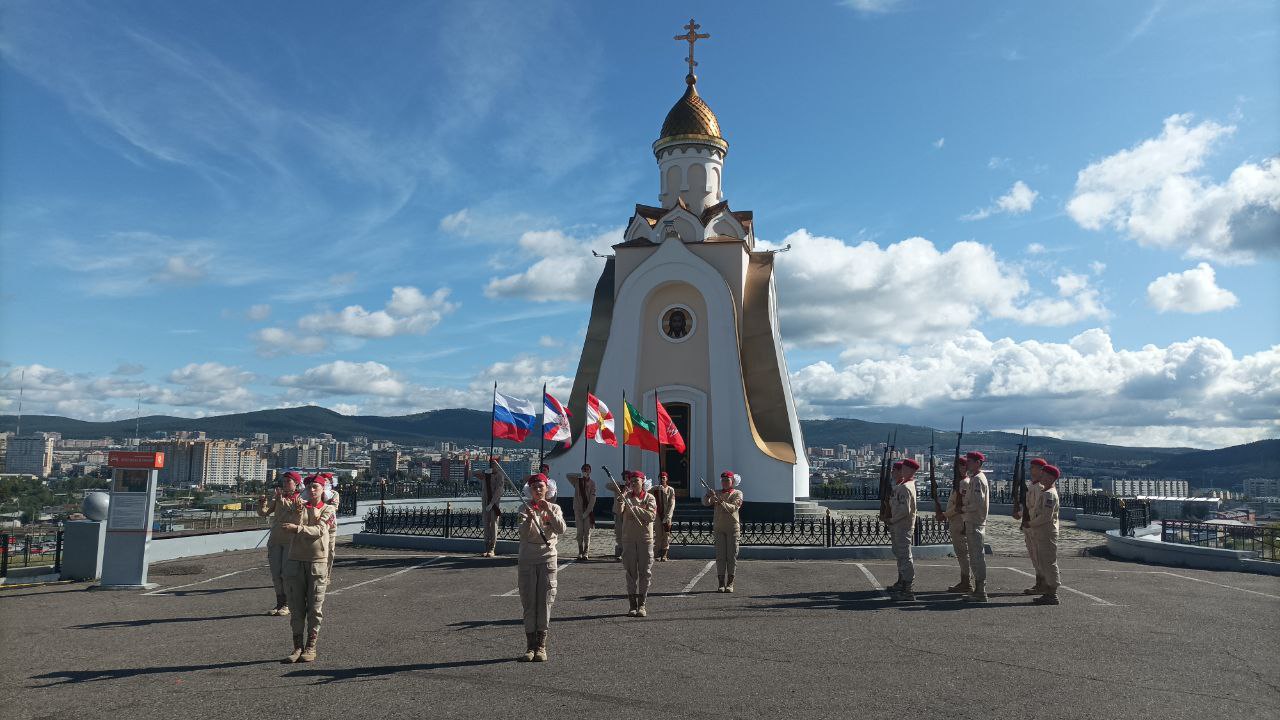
638 430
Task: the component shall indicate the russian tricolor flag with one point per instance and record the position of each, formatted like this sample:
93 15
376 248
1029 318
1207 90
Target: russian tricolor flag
513 418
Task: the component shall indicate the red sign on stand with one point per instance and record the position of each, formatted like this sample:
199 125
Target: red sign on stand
137 460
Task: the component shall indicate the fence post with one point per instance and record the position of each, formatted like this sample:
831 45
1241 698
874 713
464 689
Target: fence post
382 519
57 555
826 527
916 539
26 550
448 519
4 554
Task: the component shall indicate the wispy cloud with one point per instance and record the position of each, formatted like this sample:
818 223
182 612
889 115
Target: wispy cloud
140 263
1018 200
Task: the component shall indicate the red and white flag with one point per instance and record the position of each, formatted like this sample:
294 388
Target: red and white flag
668 434
600 422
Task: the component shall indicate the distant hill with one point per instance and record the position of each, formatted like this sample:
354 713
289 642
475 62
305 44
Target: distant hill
472 427
1226 466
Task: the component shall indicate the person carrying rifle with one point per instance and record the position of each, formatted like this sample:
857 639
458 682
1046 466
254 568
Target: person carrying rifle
975 502
635 510
490 504
584 504
954 518
666 497
902 525
541 522
617 521
282 508
1044 528
726 527
306 574
332 498
1023 512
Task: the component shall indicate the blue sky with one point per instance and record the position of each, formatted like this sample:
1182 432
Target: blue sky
1058 215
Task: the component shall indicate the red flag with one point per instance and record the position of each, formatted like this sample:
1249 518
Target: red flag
667 432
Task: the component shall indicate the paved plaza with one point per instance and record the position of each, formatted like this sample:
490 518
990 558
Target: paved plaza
413 634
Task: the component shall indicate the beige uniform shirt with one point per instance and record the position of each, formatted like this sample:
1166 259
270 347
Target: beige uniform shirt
584 497
976 499
1044 513
532 547
491 486
726 511
903 506
282 510
667 508
311 541
1034 491
637 521
953 501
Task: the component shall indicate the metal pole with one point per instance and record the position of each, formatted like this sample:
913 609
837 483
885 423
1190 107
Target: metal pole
491 407
57 554
542 433
585 444
4 554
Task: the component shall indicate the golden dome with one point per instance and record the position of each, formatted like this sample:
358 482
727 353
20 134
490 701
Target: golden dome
691 118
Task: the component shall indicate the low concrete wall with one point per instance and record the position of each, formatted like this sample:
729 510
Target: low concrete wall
1149 549
1101 523
1266 567
439 544
172 548
926 507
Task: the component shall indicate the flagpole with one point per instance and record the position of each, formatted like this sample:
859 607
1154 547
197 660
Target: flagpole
491 418
662 456
542 431
624 431
585 416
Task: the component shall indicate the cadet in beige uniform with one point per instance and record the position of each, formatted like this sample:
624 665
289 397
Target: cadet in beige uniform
617 521
491 505
975 505
635 510
666 497
726 527
537 565
1033 496
902 525
1044 528
584 510
955 524
332 498
306 572
282 508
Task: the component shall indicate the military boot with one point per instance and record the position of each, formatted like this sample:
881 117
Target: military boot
979 593
720 587
632 600
530 645
896 586
961 587
1038 588
1050 597
728 587
297 650
309 652
540 651
281 607
640 609
904 593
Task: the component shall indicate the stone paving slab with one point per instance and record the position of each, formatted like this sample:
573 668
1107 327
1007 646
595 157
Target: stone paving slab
425 634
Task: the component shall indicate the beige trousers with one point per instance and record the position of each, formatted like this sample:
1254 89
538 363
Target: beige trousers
537 583
277 554
637 559
305 584
490 520
726 552
976 537
960 543
1046 557
900 534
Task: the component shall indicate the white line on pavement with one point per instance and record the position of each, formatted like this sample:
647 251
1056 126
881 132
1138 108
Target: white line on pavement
162 591
871 578
388 575
705 569
513 593
1210 582
1096 600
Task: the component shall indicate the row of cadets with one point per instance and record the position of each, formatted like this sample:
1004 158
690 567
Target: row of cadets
281 505
308 523
1042 529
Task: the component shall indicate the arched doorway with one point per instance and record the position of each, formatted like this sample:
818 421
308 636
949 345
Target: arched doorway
677 463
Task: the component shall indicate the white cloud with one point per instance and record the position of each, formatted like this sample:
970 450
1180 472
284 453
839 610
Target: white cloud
1035 249
563 268
1194 391
210 375
939 143
457 223
1151 194
1191 291
258 312
1097 267
547 341
409 312
872 7
996 163
909 291
307 290
347 378
124 264
273 341
1018 200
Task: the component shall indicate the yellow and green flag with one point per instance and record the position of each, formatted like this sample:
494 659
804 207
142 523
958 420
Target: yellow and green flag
638 430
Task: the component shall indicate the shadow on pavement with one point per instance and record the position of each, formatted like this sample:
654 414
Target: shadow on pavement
324 676
158 621
67 677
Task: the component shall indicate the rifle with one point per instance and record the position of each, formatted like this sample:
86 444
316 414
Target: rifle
619 491
886 479
955 469
933 478
1020 478
533 514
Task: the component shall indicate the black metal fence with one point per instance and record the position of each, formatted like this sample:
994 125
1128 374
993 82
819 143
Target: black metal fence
1133 514
444 522
1263 540
351 494
31 547
1000 497
827 532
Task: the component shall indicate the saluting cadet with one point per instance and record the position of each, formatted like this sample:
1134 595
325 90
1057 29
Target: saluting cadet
666 497
584 510
726 528
1044 528
541 522
955 524
332 498
975 504
635 510
1034 491
306 572
283 508
491 509
902 525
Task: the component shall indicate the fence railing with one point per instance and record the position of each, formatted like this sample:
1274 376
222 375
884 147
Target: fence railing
352 494
1000 497
30 548
1133 514
1263 540
828 532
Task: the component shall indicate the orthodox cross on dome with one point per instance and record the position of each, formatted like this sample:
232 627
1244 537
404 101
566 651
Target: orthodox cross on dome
692 37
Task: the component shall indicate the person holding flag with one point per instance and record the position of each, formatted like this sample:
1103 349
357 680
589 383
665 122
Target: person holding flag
666 497
584 503
490 505
635 511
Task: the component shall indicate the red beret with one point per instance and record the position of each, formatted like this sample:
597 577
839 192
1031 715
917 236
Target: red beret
1053 471
636 474
897 464
1039 461
315 479
961 460
727 474
911 463
291 475
538 478
663 474
975 455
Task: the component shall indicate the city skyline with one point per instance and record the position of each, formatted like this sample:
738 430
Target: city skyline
1058 217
